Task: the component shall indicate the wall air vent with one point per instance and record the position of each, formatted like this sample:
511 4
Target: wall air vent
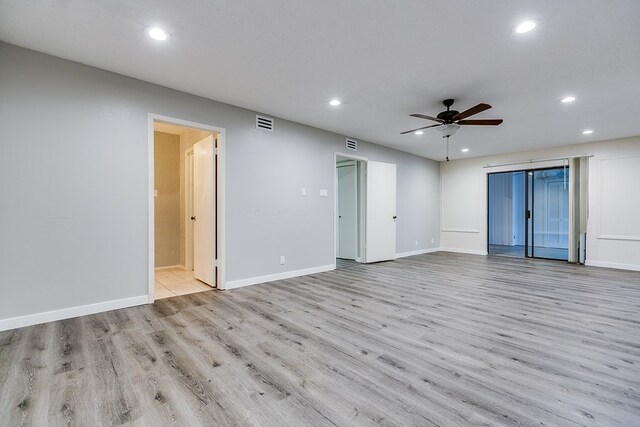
264 123
351 144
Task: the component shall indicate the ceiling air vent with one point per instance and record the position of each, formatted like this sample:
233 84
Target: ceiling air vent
264 123
351 144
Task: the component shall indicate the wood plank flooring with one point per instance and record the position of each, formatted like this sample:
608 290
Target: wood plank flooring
438 339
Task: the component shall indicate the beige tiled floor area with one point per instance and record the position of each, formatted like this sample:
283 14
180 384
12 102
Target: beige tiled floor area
175 281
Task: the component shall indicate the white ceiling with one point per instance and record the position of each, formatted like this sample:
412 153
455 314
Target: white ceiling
384 59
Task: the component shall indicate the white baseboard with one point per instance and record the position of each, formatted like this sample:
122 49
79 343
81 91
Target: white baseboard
633 267
464 251
418 252
278 276
67 313
167 267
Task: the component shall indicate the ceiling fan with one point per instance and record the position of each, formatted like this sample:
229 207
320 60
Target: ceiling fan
449 121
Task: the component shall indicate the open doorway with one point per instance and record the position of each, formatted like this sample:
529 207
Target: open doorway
349 211
365 210
184 209
528 213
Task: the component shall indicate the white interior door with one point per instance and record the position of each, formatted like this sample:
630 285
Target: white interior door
204 209
347 211
381 212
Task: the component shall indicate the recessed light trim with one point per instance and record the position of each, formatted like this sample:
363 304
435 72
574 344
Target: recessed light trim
525 27
587 131
335 102
157 33
418 132
568 99
465 150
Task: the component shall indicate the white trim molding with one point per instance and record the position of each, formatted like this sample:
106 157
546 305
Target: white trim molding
465 251
606 264
278 276
458 230
611 237
68 313
418 252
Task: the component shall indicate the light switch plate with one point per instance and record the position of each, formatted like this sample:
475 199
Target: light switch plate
303 192
324 193
155 193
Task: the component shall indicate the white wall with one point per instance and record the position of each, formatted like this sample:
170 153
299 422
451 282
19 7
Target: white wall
73 197
613 230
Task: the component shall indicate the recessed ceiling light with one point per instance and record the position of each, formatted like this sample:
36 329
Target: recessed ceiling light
568 99
418 132
157 33
465 150
335 102
587 131
525 27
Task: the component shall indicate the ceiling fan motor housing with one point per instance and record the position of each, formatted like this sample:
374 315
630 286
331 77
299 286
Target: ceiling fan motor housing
448 115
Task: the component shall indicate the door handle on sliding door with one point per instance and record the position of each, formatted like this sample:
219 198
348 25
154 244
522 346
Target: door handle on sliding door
528 215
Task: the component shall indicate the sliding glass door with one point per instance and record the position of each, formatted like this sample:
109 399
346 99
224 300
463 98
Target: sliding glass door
548 214
506 214
528 213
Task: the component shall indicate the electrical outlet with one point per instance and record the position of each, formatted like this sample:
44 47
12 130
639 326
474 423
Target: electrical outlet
281 259
416 243
433 240
303 192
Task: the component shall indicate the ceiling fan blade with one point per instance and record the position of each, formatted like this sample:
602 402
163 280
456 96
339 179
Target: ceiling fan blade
413 130
422 116
481 122
472 111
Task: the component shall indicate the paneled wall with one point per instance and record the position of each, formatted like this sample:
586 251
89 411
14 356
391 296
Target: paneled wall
613 226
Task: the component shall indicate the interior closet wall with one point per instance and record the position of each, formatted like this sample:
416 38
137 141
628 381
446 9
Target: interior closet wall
167 201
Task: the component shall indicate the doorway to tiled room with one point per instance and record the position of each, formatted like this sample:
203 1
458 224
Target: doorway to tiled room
184 210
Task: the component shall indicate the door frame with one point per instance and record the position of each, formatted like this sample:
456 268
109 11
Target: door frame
354 164
526 208
188 197
220 190
362 194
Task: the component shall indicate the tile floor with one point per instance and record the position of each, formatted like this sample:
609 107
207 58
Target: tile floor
170 282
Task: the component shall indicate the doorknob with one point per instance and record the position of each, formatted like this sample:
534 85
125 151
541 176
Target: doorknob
193 218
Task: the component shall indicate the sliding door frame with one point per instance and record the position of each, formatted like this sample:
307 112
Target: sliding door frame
527 212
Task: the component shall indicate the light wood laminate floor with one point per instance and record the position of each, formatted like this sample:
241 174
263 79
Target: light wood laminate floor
438 339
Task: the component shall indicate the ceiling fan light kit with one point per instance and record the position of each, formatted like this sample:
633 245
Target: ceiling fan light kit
449 129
